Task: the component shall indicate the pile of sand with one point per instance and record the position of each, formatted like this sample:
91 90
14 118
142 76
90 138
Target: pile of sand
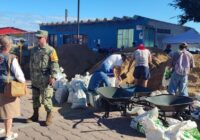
194 76
77 59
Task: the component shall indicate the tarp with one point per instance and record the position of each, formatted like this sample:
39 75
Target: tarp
190 36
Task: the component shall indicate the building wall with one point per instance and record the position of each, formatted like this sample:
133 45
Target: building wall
106 31
30 38
174 30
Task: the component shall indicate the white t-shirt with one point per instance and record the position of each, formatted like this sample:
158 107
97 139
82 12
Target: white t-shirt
16 69
113 60
142 57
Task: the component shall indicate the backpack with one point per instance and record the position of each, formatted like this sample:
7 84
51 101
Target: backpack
182 66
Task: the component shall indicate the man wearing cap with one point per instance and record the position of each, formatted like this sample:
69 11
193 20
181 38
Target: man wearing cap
181 63
43 69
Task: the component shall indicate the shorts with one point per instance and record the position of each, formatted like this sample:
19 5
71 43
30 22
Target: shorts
141 72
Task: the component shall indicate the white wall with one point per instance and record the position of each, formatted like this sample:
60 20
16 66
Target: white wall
174 28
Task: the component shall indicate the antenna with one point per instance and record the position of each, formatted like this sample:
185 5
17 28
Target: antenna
66 15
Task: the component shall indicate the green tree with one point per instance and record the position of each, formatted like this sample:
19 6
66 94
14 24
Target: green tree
190 10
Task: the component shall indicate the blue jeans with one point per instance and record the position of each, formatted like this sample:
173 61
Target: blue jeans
179 82
98 79
105 68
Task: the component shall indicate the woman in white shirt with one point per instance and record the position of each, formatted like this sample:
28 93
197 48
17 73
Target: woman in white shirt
9 106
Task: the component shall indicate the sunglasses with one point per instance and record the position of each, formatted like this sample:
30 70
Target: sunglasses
39 37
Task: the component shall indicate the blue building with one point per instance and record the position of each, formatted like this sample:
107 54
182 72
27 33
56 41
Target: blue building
112 33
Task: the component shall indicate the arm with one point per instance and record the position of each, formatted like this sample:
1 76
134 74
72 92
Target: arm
192 64
54 66
16 69
130 63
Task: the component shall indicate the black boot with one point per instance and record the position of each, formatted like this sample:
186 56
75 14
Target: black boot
34 117
49 118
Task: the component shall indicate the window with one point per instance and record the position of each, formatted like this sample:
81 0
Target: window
149 37
163 31
72 39
52 40
125 38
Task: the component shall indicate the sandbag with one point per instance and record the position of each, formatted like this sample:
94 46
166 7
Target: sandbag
61 95
79 99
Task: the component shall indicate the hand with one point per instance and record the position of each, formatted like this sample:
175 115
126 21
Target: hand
119 79
52 80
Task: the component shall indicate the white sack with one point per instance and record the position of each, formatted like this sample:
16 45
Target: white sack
79 99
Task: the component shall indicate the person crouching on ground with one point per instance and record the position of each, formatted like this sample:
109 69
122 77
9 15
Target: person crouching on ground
111 62
142 57
9 106
98 79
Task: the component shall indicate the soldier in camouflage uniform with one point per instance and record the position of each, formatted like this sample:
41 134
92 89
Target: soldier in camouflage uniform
43 69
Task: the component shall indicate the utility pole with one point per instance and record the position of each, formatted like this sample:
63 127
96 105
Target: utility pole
78 17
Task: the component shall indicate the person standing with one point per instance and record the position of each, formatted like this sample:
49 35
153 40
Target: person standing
181 63
168 49
43 69
9 106
142 57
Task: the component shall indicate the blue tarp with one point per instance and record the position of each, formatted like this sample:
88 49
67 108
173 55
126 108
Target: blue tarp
191 36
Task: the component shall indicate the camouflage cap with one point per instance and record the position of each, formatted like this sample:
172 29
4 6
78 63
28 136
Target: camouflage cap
41 33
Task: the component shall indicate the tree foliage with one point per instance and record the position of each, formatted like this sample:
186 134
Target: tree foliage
190 9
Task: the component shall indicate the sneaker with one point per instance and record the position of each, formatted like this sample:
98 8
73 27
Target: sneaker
11 137
2 131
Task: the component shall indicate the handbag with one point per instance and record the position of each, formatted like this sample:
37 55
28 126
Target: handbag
13 88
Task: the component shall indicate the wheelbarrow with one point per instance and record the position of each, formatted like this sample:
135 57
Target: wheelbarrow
123 97
171 103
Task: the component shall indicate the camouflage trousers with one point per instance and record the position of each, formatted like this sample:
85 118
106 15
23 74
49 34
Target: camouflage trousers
43 96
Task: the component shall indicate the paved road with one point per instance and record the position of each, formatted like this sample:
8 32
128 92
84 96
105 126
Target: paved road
73 125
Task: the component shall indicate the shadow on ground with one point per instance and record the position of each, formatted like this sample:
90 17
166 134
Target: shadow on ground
17 120
116 123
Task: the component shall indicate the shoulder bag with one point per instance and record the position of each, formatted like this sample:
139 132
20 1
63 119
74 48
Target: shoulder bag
13 88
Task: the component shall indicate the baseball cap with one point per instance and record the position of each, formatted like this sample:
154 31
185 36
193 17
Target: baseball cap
41 33
183 45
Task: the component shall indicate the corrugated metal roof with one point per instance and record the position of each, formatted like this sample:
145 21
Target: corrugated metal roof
11 30
97 20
